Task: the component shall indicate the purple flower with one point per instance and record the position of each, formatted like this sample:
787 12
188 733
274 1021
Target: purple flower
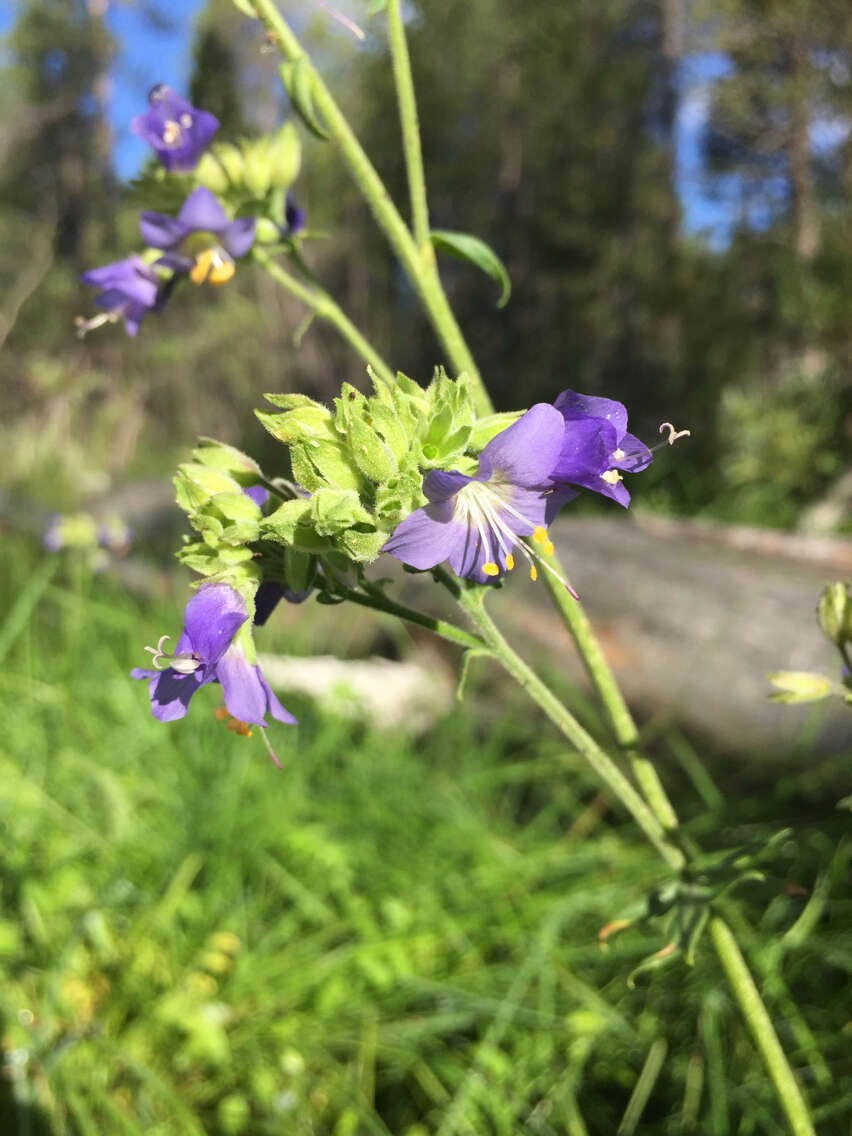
258 494
177 130
207 653
476 522
295 218
596 449
201 240
129 289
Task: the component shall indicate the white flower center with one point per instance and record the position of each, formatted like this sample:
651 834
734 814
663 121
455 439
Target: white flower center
485 506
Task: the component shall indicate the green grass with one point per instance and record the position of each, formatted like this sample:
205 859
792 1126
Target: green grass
388 936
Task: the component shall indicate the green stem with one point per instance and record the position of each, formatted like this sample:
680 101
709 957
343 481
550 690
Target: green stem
379 602
762 1030
319 301
401 62
472 603
603 680
420 270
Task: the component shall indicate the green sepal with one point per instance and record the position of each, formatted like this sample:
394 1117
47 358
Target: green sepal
302 424
285 156
227 459
299 568
281 524
212 174
369 452
321 464
206 479
333 510
362 547
236 506
297 78
257 168
463 246
484 429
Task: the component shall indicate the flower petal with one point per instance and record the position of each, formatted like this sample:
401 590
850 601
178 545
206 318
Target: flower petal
160 231
170 692
572 405
213 616
274 706
586 449
638 456
427 536
201 210
238 237
526 451
440 485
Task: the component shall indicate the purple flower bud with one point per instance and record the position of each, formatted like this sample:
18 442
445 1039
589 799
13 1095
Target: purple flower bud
178 131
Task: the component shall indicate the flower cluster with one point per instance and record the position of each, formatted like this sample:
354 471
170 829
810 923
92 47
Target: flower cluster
407 471
524 475
211 226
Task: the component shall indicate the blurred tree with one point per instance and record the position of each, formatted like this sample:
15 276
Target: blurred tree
56 145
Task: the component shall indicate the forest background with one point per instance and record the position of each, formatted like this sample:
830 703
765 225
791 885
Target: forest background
668 185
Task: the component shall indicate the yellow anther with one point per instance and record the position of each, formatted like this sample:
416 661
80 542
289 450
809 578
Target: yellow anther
548 548
171 131
203 263
221 273
612 477
490 569
186 121
619 454
533 573
539 534
510 562
221 714
238 727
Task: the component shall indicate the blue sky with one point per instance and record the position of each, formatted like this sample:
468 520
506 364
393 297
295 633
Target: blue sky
146 56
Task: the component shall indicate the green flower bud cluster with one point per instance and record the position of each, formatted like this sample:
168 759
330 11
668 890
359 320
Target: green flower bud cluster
211 491
253 167
362 463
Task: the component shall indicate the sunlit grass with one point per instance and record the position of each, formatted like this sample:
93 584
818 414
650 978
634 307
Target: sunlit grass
387 936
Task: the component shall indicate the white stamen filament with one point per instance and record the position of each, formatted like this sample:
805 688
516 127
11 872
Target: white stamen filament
483 506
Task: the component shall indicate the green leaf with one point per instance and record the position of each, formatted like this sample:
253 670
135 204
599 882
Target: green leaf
297 77
465 247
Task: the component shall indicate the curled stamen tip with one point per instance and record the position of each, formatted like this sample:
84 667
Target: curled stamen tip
674 434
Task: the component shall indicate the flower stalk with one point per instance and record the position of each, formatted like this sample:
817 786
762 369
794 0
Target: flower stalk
471 601
322 305
765 1038
401 63
423 275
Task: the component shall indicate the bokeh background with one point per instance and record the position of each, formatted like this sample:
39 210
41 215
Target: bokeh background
397 934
